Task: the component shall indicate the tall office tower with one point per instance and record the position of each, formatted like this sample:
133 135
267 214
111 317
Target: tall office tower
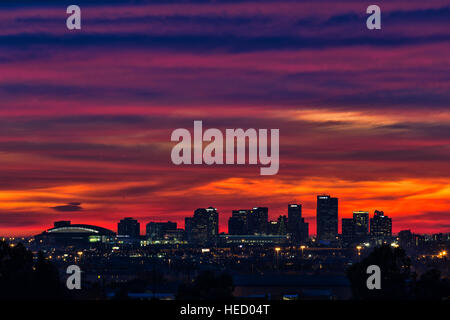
238 224
272 227
258 219
296 225
360 225
203 226
128 227
188 225
347 230
157 230
282 225
327 218
278 227
380 225
294 215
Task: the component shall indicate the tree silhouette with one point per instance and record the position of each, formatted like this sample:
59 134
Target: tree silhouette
396 276
397 280
21 277
432 287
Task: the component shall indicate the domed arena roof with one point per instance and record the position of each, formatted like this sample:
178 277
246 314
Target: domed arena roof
80 228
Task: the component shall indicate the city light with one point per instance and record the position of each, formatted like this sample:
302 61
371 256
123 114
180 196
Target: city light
442 254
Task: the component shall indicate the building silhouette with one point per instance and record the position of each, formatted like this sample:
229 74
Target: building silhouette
360 225
406 239
296 225
65 234
238 222
203 226
355 229
278 227
327 218
347 231
380 225
258 219
128 227
158 230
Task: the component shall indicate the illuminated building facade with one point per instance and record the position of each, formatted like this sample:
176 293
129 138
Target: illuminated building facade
380 225
360 225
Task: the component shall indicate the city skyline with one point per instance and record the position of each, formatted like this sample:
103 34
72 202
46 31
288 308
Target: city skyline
86 115
224 218
344 225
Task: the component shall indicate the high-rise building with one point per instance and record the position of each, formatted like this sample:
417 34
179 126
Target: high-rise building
360 225
238 224
278 227
406 239
157 230
188 226
347 230
273 227
327 218
128 227
294 215
203 227
258 219
296 225
282 225
380 225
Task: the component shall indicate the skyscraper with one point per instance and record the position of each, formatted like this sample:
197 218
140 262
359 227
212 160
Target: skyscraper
282 225
360 225
203 227
238 224
128 227
327 218
380 225
294 214
258 219
296 225
188 226
347 230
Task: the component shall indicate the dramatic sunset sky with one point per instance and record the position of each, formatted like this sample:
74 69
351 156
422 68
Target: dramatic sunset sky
86 116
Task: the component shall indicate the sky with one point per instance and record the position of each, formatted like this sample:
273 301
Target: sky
86 115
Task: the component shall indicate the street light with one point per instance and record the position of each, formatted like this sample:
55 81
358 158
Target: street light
277 250
303 248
